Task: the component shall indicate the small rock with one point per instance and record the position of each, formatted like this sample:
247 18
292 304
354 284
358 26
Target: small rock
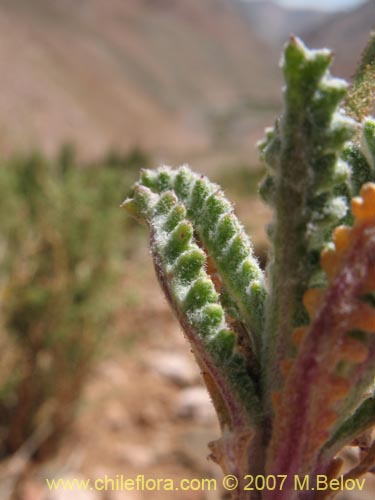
191 448
351 456
138 456
195 403
113 372
149 415
175 367
115 415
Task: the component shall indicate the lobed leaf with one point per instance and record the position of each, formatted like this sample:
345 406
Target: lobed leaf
222 236
308 186
181 269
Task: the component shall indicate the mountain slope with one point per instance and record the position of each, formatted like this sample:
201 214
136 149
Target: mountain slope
274 23
347 35
146 72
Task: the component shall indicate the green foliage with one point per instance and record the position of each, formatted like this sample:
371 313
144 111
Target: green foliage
289 363
61 239
180 264
360 99
308 187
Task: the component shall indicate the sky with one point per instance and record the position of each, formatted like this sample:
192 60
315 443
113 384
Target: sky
321 4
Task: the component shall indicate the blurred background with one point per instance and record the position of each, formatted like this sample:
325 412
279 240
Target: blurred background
95 376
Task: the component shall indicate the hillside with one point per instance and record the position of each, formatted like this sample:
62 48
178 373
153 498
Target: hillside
347 35
167 75
274 23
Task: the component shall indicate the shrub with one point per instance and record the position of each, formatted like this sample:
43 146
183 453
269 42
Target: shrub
60 240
